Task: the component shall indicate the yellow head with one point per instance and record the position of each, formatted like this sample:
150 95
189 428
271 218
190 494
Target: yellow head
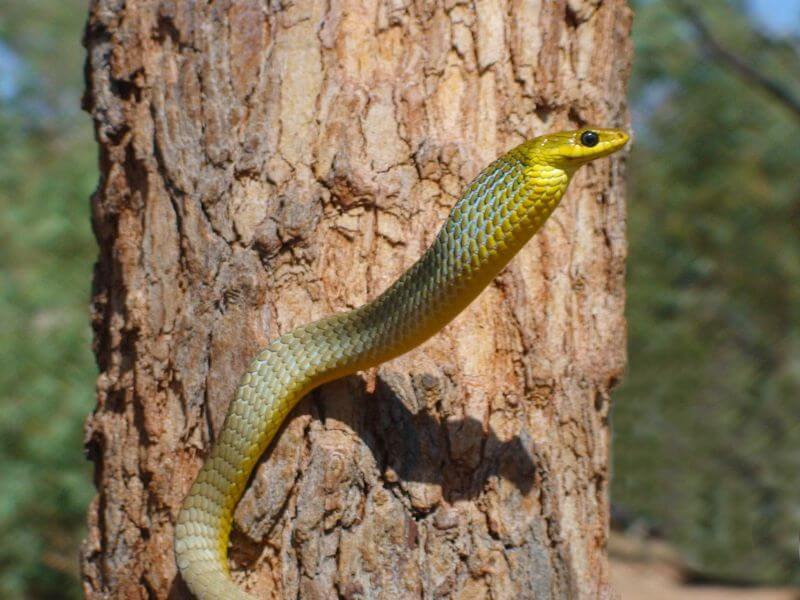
568 150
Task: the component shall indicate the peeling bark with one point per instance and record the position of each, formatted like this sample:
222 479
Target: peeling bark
266 163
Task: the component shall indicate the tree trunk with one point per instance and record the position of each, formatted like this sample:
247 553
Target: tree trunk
264 164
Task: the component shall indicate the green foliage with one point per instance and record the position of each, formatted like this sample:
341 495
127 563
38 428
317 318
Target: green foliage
707 441
47 171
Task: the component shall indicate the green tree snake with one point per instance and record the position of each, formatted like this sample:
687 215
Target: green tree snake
496 215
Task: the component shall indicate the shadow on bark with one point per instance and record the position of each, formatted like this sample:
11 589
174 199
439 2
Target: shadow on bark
420 442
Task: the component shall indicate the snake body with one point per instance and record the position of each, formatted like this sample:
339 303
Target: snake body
499 211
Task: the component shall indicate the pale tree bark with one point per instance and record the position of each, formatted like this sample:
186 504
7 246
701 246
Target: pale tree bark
266 163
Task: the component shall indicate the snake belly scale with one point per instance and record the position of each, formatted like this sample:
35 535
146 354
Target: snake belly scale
499 211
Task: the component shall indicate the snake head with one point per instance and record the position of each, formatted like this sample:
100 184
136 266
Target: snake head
568 150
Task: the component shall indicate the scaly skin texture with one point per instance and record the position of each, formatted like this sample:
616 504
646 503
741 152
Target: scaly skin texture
500 211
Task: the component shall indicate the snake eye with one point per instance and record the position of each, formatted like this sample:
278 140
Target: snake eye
590 139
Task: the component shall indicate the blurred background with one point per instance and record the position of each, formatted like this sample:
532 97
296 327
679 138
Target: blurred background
706 474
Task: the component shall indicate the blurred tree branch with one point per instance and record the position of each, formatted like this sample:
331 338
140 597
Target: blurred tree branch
735 63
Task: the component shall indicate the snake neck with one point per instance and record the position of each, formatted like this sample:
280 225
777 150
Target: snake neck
500 211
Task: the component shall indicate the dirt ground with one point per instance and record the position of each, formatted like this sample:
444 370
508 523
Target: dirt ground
658 581
652 570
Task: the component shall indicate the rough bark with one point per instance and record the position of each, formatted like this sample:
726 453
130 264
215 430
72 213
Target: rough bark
264 164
